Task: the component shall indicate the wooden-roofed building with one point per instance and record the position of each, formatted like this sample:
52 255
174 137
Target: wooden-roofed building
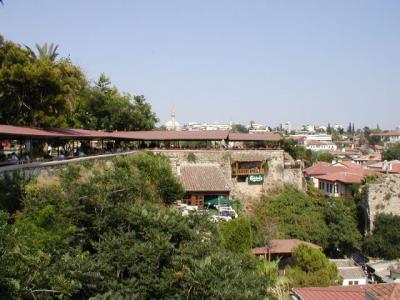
280 248
203 182
249 167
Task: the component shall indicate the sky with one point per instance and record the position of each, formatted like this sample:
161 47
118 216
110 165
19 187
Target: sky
307 62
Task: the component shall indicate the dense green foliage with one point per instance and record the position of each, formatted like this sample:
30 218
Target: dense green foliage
308 156
311 268
239 128
290 213
341 219
12 190
44 91
104 107
241 235
392 153
106 230
330 223
36 90
384 242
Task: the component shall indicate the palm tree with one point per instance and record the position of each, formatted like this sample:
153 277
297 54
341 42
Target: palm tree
44 52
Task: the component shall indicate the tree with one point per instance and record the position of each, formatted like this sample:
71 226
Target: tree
341 219
240 235
104 107
325 156
349 129
329 129
290 213
384 242
36 92
311 268
107 230
392 153
45 52
239 128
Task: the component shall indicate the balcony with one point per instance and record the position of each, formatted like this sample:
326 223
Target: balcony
244 172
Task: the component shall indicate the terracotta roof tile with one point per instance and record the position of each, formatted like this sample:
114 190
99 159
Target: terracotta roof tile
388 291
281 246
203 178
354 292
344 177
321 168
268 136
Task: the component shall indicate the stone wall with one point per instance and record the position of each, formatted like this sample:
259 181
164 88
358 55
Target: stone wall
382 196
277 173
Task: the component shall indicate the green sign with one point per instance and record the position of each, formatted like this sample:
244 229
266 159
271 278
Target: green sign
256 179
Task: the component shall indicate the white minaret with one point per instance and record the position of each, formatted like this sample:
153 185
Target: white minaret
173 114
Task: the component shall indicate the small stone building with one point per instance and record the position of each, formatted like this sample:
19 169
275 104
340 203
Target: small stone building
203 182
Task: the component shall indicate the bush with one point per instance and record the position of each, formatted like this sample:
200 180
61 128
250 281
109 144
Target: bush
191 157
311 268
107 231
384 242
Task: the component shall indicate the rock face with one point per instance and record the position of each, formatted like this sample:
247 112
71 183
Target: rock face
281 167
382 197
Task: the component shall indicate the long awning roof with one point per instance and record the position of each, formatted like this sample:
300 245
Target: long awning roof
10 131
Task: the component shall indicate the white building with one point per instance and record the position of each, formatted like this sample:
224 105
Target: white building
286 126
172 124
315 145
350 272
194 126
319 137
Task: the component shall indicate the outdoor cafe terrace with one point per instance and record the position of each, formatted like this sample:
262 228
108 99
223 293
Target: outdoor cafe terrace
17 142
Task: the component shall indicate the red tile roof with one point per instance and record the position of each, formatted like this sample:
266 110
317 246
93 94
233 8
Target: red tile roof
389 133
353 292
345 171
381 291
205 135
388 291
281 246
268 136
173 135
344 177
9 130
321 168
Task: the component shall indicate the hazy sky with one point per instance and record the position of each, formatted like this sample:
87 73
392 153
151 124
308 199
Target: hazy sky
270 61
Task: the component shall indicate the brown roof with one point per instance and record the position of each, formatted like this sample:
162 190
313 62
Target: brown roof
381 291
389 133
321 168
203 178
384 291
205 135
82 133
173 135
281 247
352 292
268 136
15 131
344 177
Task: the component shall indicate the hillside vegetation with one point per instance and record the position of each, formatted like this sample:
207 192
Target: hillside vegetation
108 231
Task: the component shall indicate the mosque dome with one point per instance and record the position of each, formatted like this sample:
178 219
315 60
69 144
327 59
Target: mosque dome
172 124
